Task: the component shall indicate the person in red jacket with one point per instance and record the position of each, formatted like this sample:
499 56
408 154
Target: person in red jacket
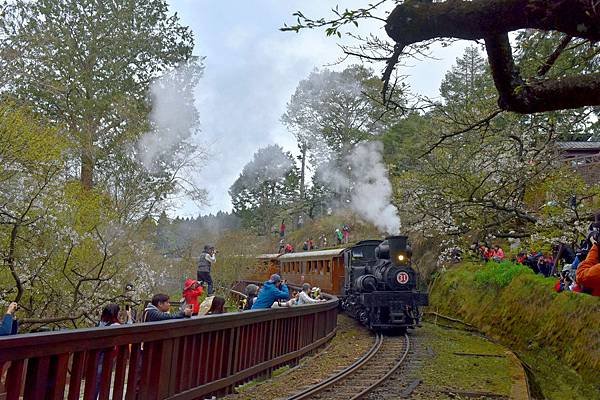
588 272
191 291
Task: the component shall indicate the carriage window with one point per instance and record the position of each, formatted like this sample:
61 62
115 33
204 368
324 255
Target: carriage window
328 266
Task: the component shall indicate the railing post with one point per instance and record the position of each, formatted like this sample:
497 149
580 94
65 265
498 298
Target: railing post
158 374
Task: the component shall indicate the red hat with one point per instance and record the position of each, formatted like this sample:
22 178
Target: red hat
188 283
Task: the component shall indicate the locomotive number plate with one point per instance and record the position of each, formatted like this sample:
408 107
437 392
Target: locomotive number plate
402 278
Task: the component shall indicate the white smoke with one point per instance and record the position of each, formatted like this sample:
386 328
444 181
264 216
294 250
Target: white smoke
174 117
368 186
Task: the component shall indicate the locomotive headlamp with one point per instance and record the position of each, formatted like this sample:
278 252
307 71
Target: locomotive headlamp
398 249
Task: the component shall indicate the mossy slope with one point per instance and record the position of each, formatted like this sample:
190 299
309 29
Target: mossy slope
522 309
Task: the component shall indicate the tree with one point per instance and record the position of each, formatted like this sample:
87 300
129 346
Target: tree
266 187
332 111
493 178
63 255
88 66
415 22
467 85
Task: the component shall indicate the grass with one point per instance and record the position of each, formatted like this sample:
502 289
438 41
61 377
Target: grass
499 275
452 371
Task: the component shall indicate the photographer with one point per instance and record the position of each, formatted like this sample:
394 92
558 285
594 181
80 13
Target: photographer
9 324
588 271
273 290
158 310
207 259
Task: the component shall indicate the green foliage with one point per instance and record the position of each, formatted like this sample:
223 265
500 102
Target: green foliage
463 172
267 186
359 230
76 204
499 275
64 252
87 66
330 112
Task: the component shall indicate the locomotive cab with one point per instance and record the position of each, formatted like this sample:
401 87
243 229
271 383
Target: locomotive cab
380 287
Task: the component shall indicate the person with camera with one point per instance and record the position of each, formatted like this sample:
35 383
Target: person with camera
207 259
273 290
158 310
9 325
192 290
588 271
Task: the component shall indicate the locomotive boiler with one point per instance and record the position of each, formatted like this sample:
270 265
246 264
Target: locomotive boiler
380 286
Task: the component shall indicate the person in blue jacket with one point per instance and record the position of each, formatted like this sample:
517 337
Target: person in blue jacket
274 289
9 324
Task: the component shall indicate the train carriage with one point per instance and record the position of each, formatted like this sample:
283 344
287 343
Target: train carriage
322 268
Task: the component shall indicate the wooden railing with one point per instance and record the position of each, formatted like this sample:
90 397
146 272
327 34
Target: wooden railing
180 359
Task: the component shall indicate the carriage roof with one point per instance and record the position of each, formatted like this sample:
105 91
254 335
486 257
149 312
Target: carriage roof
312 254
272 256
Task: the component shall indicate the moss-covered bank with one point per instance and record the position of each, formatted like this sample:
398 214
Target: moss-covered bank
557 333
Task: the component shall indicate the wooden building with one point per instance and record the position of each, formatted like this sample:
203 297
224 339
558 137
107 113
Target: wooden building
583 157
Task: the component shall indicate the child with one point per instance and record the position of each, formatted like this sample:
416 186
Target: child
191 291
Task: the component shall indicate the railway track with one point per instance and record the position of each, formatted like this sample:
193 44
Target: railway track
356 381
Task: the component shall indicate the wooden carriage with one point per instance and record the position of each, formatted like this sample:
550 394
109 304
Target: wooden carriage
322 268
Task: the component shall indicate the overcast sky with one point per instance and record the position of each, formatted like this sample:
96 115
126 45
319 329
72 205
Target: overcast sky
251 71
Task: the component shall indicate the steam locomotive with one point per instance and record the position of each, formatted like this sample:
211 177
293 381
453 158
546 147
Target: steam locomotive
373 279
380 287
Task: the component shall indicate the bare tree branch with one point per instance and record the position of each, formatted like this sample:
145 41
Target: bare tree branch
544 68
476 125
416 21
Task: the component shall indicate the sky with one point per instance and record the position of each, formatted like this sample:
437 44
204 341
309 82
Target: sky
251 71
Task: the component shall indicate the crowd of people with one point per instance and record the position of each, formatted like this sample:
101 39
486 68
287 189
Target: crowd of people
488 253
341 235
576 267
275 293
581 265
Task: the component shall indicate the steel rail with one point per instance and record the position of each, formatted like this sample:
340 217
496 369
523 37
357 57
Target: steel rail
319 387
387 375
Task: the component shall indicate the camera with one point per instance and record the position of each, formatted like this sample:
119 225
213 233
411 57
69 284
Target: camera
586 244
594 231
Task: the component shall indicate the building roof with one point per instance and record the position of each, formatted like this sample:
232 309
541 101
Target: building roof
311 254
578 145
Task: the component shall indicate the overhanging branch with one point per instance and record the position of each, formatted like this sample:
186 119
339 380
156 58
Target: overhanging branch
415 21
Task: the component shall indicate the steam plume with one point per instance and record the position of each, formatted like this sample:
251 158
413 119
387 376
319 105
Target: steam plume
369 187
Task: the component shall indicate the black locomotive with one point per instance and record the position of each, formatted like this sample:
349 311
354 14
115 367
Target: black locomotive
380 286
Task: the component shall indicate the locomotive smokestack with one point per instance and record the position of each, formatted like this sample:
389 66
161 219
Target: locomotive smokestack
399 251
